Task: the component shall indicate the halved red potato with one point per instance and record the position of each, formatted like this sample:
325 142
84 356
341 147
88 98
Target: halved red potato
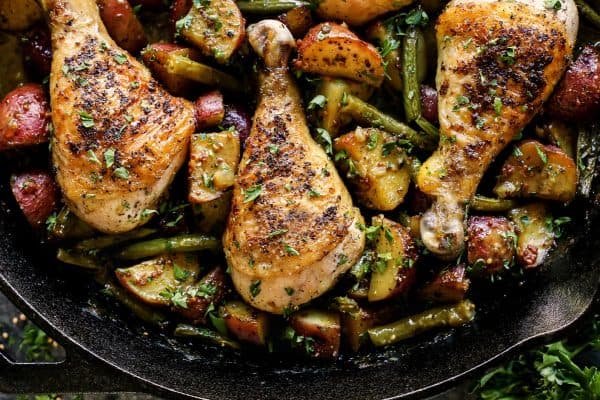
491 244
321 328
245 323
122 24
357 12
155 57
37 195
24 117
333 50
37 50
210 110
449 286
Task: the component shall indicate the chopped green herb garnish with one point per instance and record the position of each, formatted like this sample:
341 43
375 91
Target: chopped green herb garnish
252 193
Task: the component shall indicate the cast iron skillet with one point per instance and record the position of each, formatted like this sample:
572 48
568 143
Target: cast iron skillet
109 350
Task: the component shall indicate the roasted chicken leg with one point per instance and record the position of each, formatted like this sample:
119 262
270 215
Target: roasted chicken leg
499 60
119 138
293 228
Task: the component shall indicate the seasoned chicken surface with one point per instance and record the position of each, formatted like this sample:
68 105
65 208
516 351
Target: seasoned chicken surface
293 228
499 60
119 138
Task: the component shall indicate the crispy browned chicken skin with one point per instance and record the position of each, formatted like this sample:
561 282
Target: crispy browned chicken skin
292 229
499 60
119 138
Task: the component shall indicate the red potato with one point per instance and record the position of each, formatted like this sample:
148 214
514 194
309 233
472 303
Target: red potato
213 288
237 117
210 110
323 327
245 323
37 50
37 195
178 10
298 20
578 94
122 24
492 243
155 58
449 286
24 117
429 103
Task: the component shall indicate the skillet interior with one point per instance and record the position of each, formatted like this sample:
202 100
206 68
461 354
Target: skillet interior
77 313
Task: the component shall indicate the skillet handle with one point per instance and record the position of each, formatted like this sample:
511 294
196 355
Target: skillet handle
76 374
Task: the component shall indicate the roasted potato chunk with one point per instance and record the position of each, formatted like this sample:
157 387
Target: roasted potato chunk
333 50
298 20
429 103
394 272
37 51
577 96
560 134
319 330
384 37
24 117
122 24
330 117
358 12
376 167
150 280
18 15
194 301
212 215
216 27
245 323
210 110
155 57
535 170
37 195
491 244
213 163
536 234
450 285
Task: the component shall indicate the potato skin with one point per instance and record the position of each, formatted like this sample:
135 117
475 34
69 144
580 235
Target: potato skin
122 24
178 10
578 94
537 170
210 110
245 323
155 57
197 306
322 326
18 15
37 195
448 286
357 12
37 50
237 117
429 103
491 243
24 117
333 50
298 20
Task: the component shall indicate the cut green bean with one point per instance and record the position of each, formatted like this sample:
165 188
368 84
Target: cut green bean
365 113
142 311
589 13
206 335
265 7
414 166
176 244
79 259
104 242
488 204
452 315
183 66
427 126
410 92
588 151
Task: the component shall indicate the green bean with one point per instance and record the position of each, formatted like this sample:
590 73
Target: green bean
269 6
103 242
204 334
487 204
427 126
450 315
68 226
588 151
183 66
588 12
365 113
142 311
175 244
79 259
414 167
410 91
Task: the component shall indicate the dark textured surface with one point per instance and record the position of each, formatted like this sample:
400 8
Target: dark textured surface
62 302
